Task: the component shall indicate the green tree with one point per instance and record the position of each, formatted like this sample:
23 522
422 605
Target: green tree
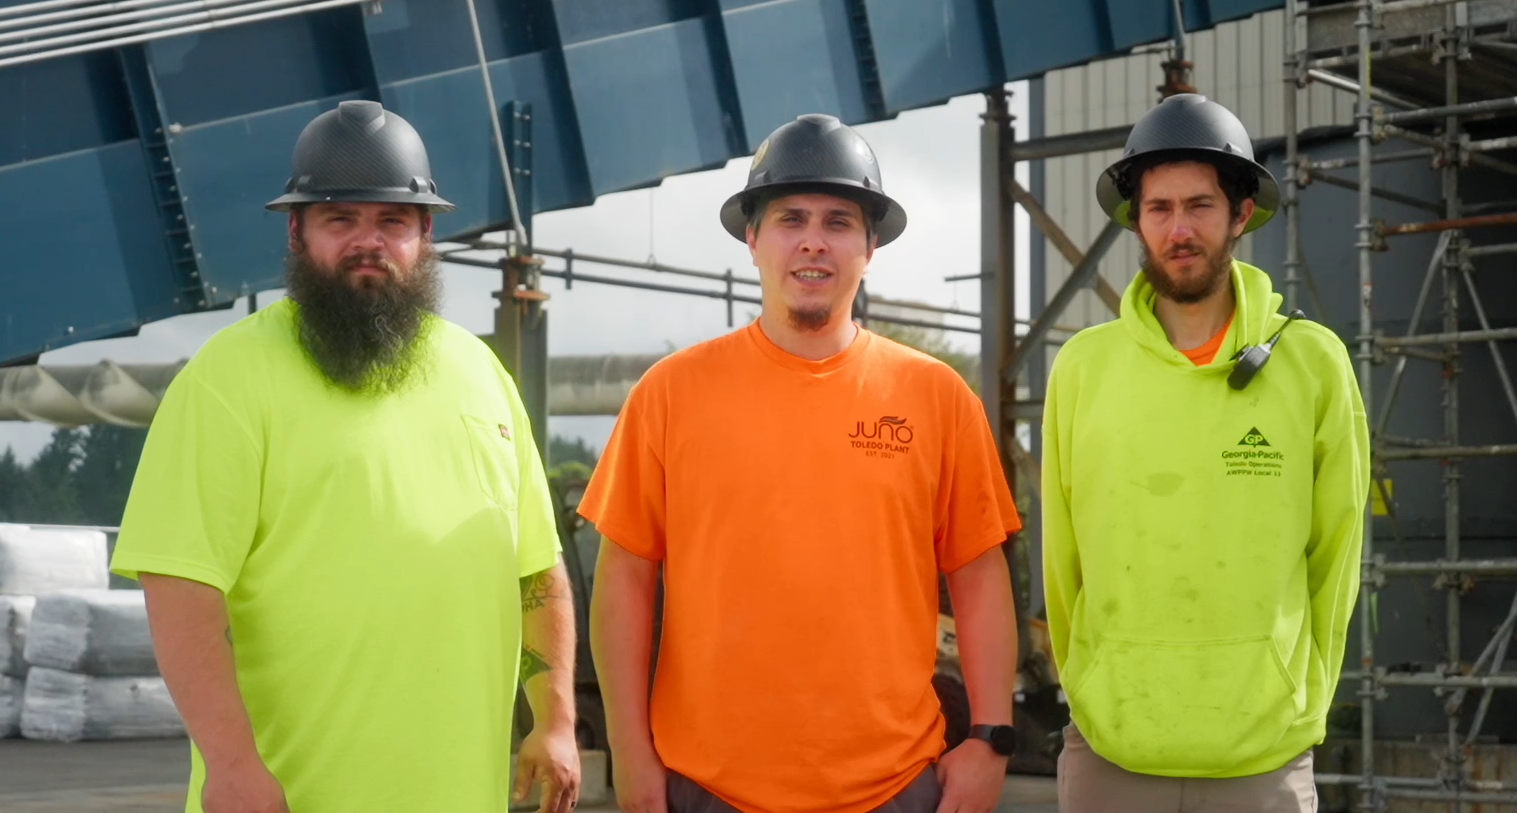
570 460
13 481
103 478
48 495
82 477
934 343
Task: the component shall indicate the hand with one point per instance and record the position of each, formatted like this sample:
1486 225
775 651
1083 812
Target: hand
642 784
552 758
972 776
244 786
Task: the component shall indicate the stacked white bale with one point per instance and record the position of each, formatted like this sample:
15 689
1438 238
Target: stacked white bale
34 561
11 691
15 615
68 707
92 632
93 674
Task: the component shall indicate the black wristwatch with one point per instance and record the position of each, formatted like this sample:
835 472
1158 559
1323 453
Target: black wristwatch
1002 738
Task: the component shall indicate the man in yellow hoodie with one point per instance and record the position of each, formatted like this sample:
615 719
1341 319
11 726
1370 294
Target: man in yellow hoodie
1203 514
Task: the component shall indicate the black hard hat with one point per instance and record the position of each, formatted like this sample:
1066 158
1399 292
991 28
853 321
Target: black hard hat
816 153
1186 126
360 153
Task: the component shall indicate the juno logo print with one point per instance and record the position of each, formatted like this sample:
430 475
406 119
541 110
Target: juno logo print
886 437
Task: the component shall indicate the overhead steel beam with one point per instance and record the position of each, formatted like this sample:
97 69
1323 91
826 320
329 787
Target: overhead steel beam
1078 279
1058 146
1061 241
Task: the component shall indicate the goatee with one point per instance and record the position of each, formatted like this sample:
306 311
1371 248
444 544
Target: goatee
810 320
364 334
1188 292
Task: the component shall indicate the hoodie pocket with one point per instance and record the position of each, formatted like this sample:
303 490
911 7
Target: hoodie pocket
1191 708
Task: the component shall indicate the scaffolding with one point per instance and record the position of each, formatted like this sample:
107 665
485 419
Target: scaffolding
1323 42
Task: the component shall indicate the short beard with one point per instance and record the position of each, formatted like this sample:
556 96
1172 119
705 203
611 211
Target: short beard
366 338
810 320
1182 293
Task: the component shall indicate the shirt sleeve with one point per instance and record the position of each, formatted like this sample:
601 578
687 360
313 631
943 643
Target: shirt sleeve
1340 491
625 498
977 512
538 544
193 508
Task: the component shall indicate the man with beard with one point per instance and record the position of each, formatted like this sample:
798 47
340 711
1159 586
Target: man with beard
801 483
343 527
1202 515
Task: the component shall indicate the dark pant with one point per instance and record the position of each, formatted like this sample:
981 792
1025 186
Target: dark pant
921 796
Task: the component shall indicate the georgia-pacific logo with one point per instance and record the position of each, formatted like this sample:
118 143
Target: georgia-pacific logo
1254 438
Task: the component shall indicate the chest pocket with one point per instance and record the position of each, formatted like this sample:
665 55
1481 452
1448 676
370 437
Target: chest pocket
495 465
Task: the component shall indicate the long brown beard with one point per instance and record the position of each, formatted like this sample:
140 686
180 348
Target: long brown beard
365 338
1188 293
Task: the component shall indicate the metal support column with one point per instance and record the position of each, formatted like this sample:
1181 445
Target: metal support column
1365 244
521 320
998 320
997 272
1453 260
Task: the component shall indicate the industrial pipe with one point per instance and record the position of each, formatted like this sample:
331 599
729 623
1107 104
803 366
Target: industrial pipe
129 394
1507 219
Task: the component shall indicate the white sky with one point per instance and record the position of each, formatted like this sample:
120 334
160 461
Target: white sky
929 161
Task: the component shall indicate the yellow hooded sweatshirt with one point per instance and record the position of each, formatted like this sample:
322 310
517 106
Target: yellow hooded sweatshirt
1201 544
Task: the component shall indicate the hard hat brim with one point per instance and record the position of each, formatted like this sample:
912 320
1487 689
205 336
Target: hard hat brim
432 203
1119 208
890 225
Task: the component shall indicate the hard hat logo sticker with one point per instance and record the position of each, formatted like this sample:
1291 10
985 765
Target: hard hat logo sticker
758 157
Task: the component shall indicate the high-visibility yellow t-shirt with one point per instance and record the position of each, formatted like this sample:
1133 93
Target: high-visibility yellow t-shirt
369 548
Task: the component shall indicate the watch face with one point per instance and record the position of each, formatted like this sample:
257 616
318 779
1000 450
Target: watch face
1003 740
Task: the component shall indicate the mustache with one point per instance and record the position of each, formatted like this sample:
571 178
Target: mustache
1185 248
390 267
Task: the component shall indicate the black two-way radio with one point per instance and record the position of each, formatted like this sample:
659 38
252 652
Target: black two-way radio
1252 359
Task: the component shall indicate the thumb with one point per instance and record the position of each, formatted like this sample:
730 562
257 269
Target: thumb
526 771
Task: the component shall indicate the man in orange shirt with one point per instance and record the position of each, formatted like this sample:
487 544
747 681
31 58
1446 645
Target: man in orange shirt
801 483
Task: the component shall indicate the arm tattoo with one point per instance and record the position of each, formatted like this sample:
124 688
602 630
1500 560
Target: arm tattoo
532 664
539 589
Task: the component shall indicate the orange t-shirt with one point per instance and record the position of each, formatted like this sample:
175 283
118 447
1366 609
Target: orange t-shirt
1204 354
802 511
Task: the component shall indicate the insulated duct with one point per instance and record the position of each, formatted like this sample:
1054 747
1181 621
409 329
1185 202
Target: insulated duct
129 394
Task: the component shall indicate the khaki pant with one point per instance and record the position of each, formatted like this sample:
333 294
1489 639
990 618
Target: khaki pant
1090 784
921 796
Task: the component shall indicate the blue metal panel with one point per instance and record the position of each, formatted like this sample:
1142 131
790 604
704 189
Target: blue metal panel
228 171
790 57
38 125
102 268
648 105
451 114
1054 35
623 93
586 20
247 69
410 39
1135 22
931 50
